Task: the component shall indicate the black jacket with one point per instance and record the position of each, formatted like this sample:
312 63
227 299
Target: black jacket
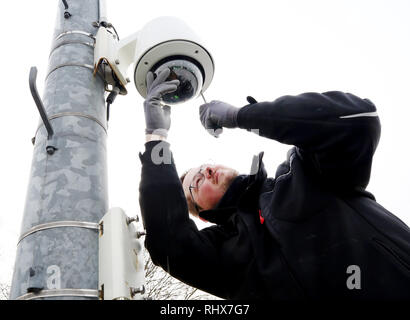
295 236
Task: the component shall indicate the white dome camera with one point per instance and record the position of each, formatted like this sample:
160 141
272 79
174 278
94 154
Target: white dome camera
166 42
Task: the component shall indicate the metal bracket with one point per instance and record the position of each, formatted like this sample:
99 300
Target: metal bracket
50 148
107 53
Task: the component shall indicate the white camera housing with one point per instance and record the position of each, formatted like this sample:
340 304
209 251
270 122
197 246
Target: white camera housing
160 41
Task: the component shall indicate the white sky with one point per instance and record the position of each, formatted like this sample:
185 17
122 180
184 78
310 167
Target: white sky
261 48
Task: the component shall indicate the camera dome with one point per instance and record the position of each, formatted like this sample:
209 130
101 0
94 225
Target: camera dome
189 76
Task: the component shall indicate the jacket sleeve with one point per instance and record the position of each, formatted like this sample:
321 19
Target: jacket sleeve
172 239
335 133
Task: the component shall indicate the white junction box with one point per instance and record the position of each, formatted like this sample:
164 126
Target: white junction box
120 258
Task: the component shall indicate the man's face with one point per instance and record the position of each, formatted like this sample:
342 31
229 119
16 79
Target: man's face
216 180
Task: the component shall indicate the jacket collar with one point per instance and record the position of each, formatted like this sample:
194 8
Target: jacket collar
240 193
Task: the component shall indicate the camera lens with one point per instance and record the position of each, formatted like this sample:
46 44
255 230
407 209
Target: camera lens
189 76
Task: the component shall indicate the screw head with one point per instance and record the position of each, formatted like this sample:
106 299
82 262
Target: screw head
141 234
51 150
132 219
135 291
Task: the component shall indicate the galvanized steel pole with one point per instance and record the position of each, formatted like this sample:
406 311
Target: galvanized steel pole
57 254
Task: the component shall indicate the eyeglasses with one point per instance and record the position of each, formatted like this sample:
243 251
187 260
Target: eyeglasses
196 182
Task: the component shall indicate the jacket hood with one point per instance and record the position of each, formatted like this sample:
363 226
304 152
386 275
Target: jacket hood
242 188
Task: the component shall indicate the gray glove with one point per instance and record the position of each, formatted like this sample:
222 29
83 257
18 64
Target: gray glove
217 114
158 117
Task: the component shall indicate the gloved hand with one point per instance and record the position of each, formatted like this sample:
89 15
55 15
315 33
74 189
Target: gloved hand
158 117
217 114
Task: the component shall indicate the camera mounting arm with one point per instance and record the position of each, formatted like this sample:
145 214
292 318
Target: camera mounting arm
113 58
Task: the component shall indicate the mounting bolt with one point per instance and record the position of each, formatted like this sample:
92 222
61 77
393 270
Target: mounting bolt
140 234
67 14
132 219
139 290
51 150
117 61
128 80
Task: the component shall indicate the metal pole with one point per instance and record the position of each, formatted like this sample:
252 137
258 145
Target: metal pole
57 253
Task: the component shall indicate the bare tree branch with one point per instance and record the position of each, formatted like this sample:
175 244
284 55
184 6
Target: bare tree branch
161 286
4 291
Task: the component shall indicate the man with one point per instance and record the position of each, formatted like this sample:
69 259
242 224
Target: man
312 232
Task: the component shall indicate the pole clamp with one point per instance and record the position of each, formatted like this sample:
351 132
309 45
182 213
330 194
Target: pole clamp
59 224
70 42
87 66
65 33
73 114
54 293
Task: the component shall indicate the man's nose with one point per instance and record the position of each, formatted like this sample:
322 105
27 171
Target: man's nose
209 172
